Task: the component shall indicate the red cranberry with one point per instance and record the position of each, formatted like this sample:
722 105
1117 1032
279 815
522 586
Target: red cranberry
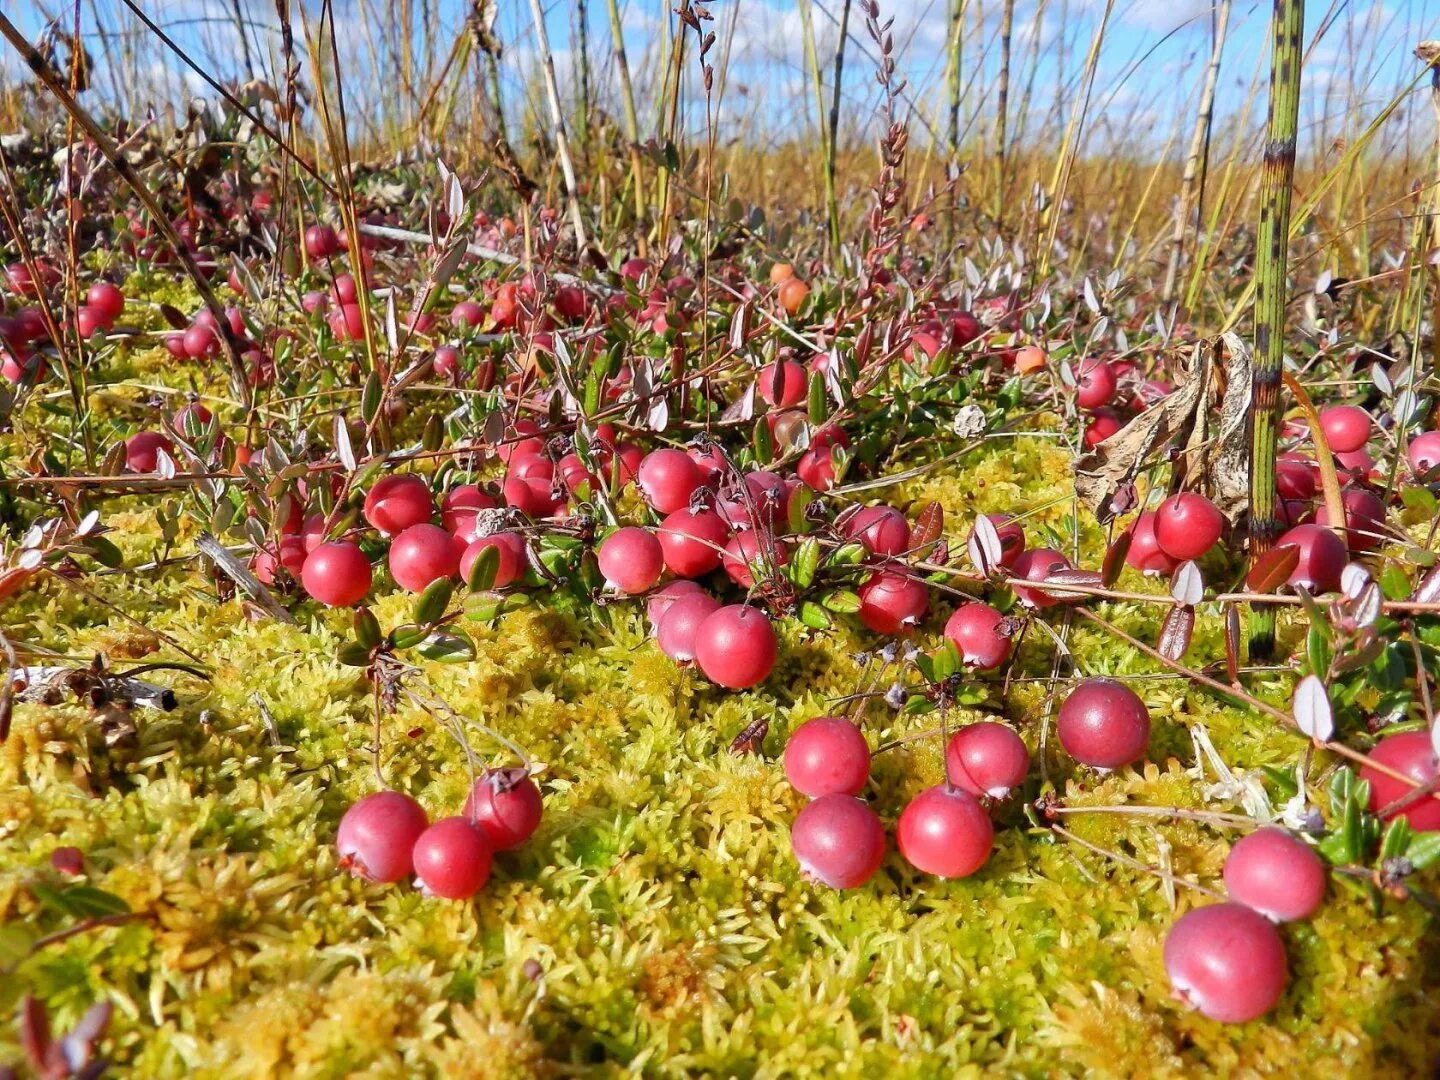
826 756
631 560
839 841
88 320
347 322
986 759
1094 384
1295 476
1322 558
377 836
1346 427
321 242
783 384
661 600
291 556
423 554
976 631
1037 564
1100 425
692 541
893 602
397 502
337 574
1423 453
679 625
143 448
735 646
447 362
883 530
944 831
1364 519
201 342
512 557
459 508
1187 525
1226 961
452 859
667 479
1104 724
506 804
1144 553
751 552
68 860
467 313
1278 875
816 467
1410 754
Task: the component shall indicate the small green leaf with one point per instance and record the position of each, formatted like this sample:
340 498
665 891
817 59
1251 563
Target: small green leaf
430 608
945 661
407 636
484 569
1394 582
1317 650
104 552
353 654
814 616
918 705
764 442
816 404
484 607
81 901
841 600
370 398
367 628
800 499
1396 839
1423 850
448 647
805 562
848 555
926 663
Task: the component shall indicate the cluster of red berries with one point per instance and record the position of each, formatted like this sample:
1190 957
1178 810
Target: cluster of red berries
25 330
945 830
387 837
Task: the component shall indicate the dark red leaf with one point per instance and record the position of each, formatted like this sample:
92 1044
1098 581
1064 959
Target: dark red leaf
35 1032
1273 568
1115 559
749 740
929 523
174 316
1176 631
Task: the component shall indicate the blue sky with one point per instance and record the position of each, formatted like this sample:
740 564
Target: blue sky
1147 77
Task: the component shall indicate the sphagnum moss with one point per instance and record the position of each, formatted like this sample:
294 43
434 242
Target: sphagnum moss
656 923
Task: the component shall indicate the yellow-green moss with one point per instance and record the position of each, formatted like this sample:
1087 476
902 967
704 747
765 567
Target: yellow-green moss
656 923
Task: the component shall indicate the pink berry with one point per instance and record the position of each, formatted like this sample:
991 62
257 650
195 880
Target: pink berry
423 554
944 831
667 479
892 602
452 859
977 631
88 320
1322 557
1346 427
752 552
1364 519
460 506
512 557
838 841
397 502
631 559
783 384
679 625
142 450
337 574
986 759
377 836
107 300
882 530
663 599
1295 476
321 242
1037 564
347 322
201 342
344 289
291 556
1104 724
816 467
692 541
1100 425
1423 453
1144 553
1410 754
736 646
827 756
506 804
1187 525
1094 384
467 313
1226 961
446 363
530 485
1278 875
